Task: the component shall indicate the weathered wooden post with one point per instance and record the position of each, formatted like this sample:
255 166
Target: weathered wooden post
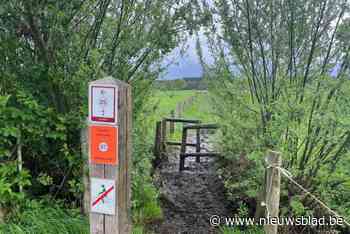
163 136
172 124
110 156
183 149
198 144
273 184
158 138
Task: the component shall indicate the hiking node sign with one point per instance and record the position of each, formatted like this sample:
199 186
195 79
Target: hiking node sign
103 144
103 103
103 196
109 149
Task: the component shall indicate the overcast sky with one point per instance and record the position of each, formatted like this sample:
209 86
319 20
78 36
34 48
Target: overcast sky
184 65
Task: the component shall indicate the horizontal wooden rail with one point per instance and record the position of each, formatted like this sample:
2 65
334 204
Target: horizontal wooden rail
197 154
202 126
179 143
178 120
200 154
161 139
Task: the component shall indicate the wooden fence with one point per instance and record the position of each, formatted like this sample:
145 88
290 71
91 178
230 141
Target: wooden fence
161 140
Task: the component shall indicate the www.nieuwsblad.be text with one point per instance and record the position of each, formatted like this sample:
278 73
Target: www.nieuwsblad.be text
217 220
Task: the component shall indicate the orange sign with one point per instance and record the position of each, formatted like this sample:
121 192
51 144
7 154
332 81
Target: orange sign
103 145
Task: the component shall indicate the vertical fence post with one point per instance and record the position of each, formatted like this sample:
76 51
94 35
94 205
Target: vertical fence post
172 124
109 140
198 144
163 136
273 184
183 149
158 139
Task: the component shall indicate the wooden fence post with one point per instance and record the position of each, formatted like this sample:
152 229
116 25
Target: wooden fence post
273 184
163 136
110 156
198 144
172 124
183 149
158 139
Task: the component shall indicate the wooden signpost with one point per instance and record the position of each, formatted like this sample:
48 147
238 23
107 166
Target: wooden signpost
109 142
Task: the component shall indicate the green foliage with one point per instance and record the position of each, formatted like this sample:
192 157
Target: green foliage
23 121
50 51
145 204
138 230
227 230
10 180
146 207
43 218
313 147
271 94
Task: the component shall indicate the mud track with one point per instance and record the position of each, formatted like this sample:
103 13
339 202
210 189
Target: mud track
189 198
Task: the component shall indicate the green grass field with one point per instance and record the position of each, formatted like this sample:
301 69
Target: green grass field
166 101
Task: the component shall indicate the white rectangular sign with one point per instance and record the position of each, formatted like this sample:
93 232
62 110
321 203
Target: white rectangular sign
103 196
103 103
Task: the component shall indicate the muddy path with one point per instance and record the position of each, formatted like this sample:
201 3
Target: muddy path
189 198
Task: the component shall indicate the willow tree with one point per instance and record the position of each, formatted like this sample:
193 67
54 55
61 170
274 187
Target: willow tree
281 79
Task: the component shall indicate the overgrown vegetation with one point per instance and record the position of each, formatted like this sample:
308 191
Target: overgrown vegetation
281 81
50 50
45 218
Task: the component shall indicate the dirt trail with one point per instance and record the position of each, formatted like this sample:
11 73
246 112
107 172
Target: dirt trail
189 198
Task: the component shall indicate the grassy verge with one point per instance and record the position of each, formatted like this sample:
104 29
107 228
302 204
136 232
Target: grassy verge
40 218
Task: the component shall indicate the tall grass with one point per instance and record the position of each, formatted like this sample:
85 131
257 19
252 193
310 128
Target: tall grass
37 218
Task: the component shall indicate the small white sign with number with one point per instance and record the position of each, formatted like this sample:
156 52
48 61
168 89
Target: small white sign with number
103 196
103 103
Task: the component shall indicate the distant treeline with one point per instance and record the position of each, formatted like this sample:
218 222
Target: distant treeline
188 83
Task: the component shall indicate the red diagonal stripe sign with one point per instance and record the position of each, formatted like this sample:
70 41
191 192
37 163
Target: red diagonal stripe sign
103 195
